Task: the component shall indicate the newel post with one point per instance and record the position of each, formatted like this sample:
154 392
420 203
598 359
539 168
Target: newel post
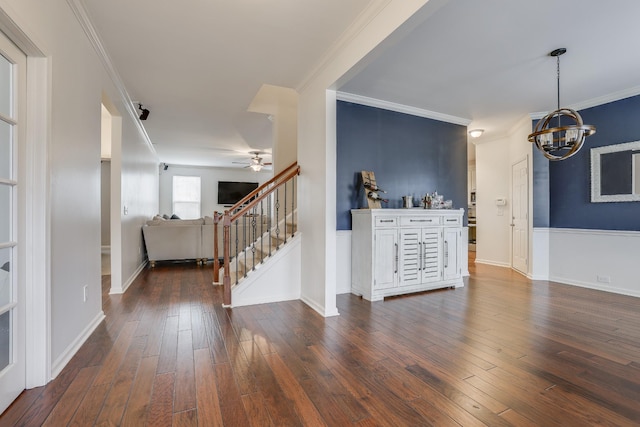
216 263
226 280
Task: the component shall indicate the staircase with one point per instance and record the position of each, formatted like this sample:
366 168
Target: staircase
259 252
258 227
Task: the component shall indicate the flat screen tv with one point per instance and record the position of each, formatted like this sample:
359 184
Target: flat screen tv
229 192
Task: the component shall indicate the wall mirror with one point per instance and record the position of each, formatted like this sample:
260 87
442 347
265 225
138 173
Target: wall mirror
615 173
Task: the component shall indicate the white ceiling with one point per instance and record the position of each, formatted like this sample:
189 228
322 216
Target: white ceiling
197 67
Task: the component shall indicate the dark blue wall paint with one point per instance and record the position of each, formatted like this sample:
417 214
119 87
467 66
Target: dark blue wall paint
570 186
409 155
540 189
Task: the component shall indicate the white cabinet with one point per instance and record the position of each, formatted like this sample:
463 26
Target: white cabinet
398 251
386 258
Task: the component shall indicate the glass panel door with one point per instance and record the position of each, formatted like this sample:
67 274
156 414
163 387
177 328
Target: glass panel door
12 304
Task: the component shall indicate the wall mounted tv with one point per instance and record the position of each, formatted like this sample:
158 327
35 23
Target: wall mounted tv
230 192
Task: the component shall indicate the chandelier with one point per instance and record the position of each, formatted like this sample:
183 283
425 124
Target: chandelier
558 141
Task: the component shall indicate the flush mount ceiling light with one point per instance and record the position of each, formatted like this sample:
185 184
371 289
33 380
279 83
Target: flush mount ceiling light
563 140
475 133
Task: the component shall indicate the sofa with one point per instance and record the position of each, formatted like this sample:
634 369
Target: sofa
192 239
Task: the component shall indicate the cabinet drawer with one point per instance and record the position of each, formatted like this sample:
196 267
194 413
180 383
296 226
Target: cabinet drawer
451 221
386 221
419 220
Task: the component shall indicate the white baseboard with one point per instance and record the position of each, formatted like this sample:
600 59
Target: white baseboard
59 364
494 263
320 309
125 285
606 260
596 286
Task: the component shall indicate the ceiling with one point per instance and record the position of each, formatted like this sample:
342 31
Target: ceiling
486 63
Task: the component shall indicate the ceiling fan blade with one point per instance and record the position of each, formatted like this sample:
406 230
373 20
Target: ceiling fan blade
267 164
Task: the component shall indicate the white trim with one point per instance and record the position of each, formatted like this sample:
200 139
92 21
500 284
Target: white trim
596 259
598 287
539 268
362 21
392 106
38 220
73 348
125 285
81 14
319 309
619 233
494 263
605 99
596 196
594 102
343 262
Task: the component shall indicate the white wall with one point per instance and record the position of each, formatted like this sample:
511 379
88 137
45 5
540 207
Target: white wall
73 143
493 177
209 184
317 147
494 159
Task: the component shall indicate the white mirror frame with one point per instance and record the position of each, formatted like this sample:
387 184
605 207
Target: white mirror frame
596 196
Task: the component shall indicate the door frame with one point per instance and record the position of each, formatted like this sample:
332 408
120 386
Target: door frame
35 232
528 228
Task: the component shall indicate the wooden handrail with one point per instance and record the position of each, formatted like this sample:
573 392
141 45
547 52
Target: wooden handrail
249 196
238 210
250 205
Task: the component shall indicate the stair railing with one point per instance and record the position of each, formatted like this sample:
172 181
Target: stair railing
250 228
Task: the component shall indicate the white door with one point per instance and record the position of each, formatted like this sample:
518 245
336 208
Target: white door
519 216
386 258
12 291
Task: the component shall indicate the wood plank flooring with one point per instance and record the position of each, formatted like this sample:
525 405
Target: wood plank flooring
502 351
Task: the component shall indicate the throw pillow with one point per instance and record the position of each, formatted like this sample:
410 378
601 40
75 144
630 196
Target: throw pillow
174 216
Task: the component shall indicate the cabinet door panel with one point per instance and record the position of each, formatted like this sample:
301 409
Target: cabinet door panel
410 256
385 264
431 259
450 250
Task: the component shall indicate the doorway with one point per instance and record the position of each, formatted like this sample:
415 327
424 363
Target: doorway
520 216
12 281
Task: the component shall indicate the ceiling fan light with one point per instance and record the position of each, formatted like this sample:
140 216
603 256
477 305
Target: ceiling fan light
256 167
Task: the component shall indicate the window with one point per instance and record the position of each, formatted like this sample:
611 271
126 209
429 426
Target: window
186 196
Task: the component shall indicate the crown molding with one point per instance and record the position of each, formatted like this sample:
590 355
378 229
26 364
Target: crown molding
80 11
595 102
605 99
392 106
361 22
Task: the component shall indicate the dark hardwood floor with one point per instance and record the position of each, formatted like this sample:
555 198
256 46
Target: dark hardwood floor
501 351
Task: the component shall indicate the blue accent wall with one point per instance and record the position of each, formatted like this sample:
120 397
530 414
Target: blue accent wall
569 180
409 155
540 189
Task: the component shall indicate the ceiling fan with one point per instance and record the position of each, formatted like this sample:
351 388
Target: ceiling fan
256 163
